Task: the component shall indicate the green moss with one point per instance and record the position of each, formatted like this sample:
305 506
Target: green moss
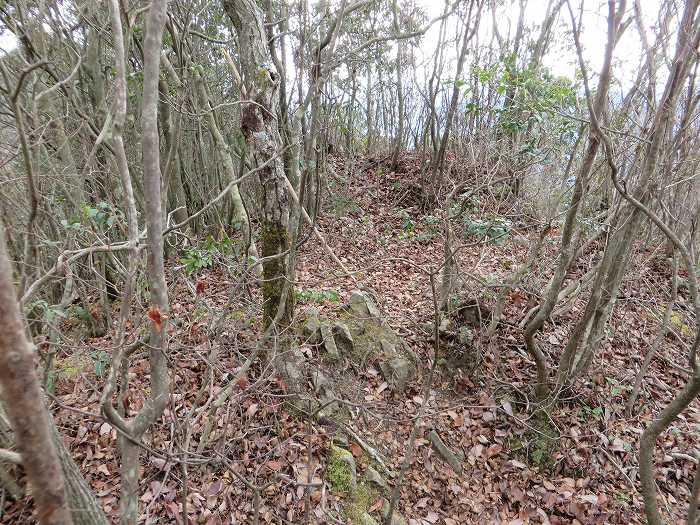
274 240
538 444
362 499
338 472
677 321
262 79
72 366
358 498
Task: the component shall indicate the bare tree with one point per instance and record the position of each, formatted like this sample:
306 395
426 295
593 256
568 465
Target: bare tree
25 406
135 427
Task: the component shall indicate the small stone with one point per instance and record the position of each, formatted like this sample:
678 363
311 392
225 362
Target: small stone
323 388
343 338
446 326
397 371
366 519
291 368
374 477
311 329
388 347
466 335
396 517
320 381
329 342
362 306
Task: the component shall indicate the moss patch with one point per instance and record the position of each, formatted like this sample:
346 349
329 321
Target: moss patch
339 472
538 444
72 366
358 496
274 240
361 500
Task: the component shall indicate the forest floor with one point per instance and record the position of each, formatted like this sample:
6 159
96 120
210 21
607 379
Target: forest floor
511 475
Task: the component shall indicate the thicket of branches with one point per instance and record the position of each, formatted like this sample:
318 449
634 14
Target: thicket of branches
131 131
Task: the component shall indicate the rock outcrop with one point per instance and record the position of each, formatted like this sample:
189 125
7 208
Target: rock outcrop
360 334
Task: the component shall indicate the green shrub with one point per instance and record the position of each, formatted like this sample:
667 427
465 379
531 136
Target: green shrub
495 229
205 255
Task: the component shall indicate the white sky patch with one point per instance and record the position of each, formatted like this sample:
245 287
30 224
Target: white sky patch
561 57
7 42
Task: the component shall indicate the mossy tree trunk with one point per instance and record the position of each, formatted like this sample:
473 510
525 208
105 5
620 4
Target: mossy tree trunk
264 150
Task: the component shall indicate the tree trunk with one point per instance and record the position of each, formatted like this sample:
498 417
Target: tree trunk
398 140
570 223
587 334
259 127
25 406
158 311
84 508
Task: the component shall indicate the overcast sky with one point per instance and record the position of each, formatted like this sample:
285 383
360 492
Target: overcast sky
561 58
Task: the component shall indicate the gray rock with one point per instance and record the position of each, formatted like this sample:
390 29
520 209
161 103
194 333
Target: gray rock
366 519
292 368
388 346
396 517
375 478
397 371
343 338
311 329
323 388
465 335
329 342
361 305
446 326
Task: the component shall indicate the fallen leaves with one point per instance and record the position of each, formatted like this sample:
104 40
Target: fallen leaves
499 486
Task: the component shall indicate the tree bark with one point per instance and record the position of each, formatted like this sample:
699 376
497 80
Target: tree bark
25 405
158 311
259 128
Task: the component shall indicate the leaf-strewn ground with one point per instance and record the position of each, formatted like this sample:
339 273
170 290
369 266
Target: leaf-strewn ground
511 475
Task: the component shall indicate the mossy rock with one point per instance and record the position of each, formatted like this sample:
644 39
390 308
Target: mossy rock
343 338
311 327
375 341
366 519
361 306
329 345
375 479
397 371
371 338
355 510
358 496
396 517
341 471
